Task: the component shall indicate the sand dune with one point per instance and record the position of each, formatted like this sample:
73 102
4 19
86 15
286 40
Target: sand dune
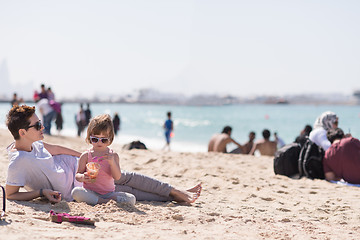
241 199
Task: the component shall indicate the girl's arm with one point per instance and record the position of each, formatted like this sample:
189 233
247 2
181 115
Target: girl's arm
57 150
114 162
81 175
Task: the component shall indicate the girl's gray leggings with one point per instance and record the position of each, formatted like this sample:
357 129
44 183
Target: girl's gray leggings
144 188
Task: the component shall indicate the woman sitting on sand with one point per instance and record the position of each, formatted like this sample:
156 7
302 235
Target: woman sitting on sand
47 170
326 121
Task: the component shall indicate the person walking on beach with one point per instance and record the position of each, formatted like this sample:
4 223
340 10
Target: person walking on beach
219 141
265 146
100 187
116 122
47 170
169 127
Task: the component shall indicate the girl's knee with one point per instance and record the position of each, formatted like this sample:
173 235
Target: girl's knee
80 194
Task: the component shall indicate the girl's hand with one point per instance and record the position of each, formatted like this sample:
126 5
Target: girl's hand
86 178
110 158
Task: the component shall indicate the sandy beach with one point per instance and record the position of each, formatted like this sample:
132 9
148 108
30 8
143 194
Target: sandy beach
241 199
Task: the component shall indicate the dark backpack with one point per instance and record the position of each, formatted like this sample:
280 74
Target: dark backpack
310 161
286 160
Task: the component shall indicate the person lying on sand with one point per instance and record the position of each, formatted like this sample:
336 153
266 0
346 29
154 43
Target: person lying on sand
47 170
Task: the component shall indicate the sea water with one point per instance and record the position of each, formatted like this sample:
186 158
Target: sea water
194 125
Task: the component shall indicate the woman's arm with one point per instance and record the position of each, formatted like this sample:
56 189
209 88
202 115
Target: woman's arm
12 193
57 150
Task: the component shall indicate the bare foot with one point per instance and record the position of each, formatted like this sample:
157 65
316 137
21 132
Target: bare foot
196 189
188 196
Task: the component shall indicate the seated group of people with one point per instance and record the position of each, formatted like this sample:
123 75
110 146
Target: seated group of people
342 151
265 146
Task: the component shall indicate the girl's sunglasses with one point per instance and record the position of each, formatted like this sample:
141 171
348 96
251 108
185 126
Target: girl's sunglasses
96 139
37 126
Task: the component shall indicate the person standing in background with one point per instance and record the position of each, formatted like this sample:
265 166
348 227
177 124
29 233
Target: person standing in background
43 92
47 113
116 122
59 122
15 101
50 94
87 114
169 127
80 120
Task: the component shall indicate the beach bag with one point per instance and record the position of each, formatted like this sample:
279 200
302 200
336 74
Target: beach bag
286 160
310 161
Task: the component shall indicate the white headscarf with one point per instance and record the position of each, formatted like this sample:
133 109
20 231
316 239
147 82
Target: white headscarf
326 120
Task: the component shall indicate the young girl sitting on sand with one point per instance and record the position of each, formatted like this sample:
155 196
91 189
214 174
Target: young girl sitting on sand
99 166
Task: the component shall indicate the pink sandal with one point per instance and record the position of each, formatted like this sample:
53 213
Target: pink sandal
64 217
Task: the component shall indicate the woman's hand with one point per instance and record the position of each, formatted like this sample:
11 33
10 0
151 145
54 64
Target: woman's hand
52 196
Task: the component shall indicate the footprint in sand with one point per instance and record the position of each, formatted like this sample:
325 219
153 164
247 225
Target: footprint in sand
178 217
151 160
283 210
269 199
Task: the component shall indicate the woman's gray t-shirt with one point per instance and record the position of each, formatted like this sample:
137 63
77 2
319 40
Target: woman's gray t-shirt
39 169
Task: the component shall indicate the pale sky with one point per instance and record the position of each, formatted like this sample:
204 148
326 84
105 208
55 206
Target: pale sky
83 47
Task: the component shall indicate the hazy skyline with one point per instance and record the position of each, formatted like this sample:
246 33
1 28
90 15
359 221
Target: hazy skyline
242 48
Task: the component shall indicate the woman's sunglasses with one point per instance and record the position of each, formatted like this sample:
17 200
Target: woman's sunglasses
96 139
37 126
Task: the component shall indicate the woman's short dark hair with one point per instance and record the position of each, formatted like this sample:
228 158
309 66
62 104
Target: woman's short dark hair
18 118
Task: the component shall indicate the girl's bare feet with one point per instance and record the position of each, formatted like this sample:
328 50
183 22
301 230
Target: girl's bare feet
188 196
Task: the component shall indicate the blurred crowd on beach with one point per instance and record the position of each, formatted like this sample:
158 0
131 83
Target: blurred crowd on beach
51 111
